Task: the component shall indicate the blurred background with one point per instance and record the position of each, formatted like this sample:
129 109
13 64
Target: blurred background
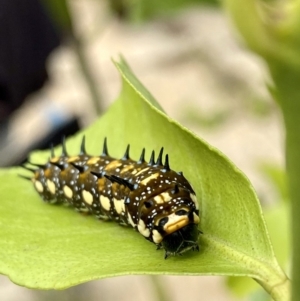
56 77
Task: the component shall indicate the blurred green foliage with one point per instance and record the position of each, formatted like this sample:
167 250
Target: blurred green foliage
60 14
142 10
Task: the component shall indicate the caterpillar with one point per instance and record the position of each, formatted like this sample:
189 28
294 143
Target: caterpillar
149 196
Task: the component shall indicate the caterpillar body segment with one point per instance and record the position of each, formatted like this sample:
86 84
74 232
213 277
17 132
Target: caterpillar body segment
149 196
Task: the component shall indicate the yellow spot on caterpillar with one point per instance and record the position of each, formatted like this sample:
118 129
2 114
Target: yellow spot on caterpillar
148 179
156 236
166 196
51 186
158 199
194 199
93 160
48 172
55 159
119 206
101 184
113 164
175 222
143 170
134 171
105 202
87 197
72 159
143 229
68 191
39 186
162 198
127 168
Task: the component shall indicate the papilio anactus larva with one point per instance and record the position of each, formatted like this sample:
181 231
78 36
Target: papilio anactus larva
149 196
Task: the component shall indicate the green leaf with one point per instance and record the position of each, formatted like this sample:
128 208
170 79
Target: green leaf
275 39
59 12
140 10
44 246
277 219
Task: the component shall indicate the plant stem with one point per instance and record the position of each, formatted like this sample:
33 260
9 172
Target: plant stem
287 80
280 292
266 272
83 62
61 12
89 78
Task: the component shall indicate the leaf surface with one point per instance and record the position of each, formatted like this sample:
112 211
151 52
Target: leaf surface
44 246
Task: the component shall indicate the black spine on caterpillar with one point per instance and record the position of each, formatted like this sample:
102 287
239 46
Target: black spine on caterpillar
155 200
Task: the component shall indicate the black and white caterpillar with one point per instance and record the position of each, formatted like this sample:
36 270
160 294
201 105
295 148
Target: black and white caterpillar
155 200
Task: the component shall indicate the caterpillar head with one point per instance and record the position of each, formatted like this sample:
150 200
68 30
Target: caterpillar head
176 224
182 240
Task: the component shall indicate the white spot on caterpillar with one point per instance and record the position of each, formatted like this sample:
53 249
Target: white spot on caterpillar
104 217
51 186
39 186
68 191
87 197
119 205
130 220
105 202
196 218
148 179
84 209
142 228
194 199
156 236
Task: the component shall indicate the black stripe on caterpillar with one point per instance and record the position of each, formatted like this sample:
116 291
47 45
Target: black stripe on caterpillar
155 200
